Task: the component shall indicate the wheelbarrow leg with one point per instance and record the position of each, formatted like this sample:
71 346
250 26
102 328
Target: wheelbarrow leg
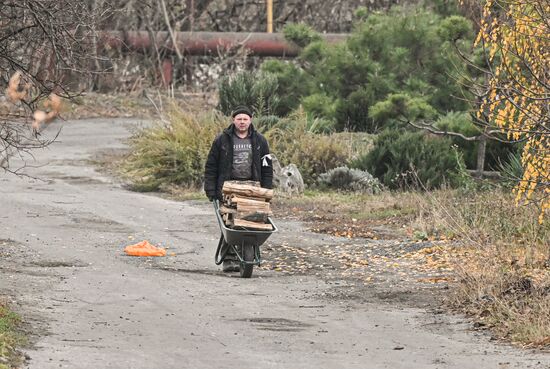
221 251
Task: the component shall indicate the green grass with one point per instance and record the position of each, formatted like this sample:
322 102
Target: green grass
9 338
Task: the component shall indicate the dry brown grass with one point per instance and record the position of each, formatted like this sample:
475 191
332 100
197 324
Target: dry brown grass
502 268
93 105
512 300
357 205
143 104
504 281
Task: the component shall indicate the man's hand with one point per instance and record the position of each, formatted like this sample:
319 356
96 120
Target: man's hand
214 197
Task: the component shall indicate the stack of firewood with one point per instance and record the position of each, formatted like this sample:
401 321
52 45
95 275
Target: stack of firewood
246 204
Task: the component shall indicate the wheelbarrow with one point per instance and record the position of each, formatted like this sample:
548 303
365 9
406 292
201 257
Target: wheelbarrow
245 243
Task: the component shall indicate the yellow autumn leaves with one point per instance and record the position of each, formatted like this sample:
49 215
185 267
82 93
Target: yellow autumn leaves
518 98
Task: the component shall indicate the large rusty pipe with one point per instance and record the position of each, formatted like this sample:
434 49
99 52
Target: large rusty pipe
208 43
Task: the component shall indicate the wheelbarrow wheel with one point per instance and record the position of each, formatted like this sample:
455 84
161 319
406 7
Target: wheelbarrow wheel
248 255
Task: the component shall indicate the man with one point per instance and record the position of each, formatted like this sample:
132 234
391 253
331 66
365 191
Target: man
238 153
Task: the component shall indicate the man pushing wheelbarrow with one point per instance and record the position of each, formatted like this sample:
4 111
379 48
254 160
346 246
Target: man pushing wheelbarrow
239 153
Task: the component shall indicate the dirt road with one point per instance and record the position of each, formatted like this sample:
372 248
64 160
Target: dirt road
90 306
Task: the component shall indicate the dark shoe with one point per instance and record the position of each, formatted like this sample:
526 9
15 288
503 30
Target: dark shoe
230 266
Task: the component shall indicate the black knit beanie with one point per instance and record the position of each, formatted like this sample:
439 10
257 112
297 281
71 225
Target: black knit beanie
241 109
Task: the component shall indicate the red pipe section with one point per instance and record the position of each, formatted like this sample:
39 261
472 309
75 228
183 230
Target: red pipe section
208 43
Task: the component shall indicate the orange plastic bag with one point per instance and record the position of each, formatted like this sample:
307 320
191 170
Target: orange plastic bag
144 248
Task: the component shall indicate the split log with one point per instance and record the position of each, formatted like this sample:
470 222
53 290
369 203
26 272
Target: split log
252 216
234 200
248 205
230 187
252 225
254 211
227 210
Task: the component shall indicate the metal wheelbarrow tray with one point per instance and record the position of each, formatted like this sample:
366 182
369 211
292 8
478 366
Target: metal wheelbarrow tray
245 243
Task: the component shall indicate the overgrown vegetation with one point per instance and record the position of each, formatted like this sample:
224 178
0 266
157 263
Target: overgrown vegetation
504 282
403 159
294 140
406 50
401 63
397 67
9 338
254 89
301 34
173 151
40 51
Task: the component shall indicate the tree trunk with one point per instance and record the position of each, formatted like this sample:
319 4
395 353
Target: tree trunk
481 150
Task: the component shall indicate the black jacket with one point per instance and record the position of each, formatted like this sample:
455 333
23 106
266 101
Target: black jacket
219 163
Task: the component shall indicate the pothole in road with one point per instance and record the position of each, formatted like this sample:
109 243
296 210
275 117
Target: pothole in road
77 180
98 224
70 162
276 324
58 264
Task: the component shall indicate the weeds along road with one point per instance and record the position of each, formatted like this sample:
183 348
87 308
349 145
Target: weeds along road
87 305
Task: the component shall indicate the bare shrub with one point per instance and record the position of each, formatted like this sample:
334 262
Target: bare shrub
45 44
